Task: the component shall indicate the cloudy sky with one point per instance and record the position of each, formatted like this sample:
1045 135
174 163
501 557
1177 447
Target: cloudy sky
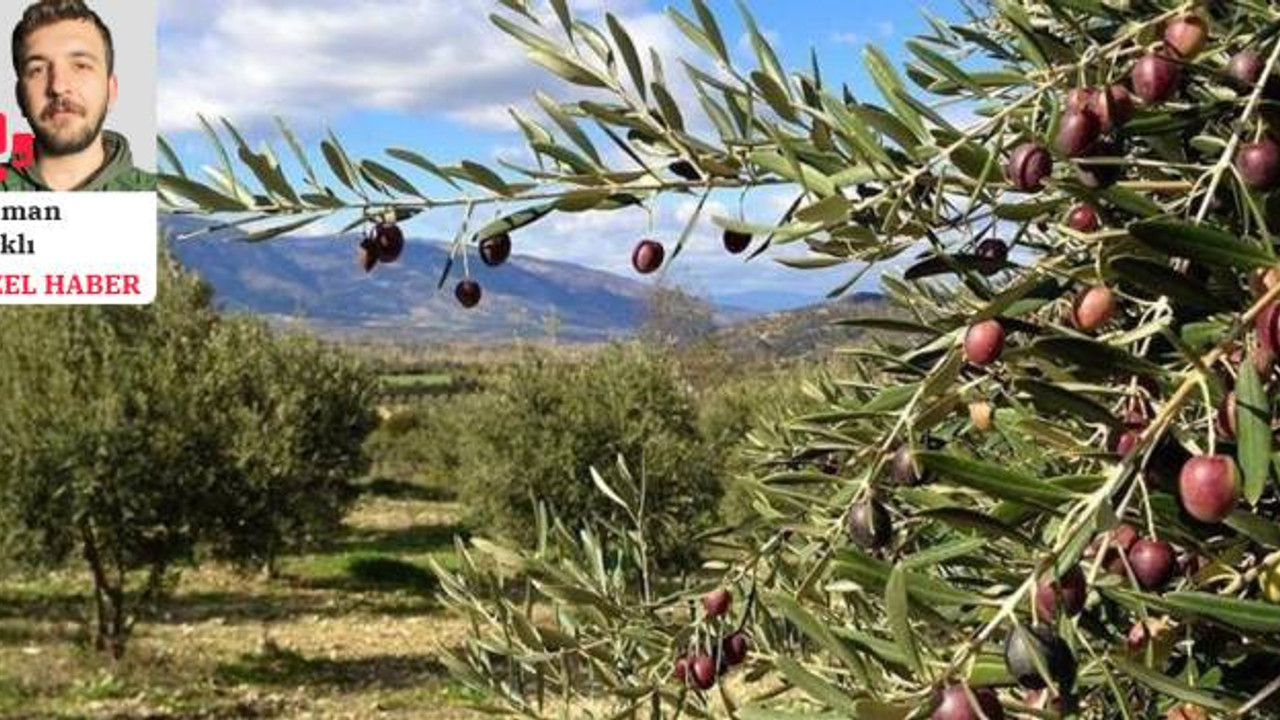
438 77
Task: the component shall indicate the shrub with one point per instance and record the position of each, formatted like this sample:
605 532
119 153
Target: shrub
430 441
739 418
108 453
297 415
550 423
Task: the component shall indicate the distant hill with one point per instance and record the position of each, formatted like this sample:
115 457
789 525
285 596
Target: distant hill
315 281
803 333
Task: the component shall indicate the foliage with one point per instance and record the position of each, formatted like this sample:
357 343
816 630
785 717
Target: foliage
551 423
107 452
432 441
1016 474
298 415
135 434
737 414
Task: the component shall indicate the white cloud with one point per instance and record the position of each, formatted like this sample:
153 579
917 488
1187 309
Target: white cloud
321 58
312 61
962 115
885 29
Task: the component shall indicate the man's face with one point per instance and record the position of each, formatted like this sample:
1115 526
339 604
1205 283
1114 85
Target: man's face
64 88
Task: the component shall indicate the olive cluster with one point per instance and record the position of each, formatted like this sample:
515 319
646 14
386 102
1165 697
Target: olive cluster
724 648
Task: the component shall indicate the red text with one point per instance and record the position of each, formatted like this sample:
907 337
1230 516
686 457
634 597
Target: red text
91 285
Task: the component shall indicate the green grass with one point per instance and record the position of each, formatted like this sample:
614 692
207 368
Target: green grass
103 685
418 380
445 691
380 558
363 572
293 669
13 697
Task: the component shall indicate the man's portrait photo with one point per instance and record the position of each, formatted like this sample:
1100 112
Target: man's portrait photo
67 86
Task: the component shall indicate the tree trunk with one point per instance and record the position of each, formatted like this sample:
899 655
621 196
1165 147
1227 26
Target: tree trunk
109 601
119 620
91 556
119 626
270 568
99 619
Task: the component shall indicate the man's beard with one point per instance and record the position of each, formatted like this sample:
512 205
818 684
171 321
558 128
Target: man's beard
50 143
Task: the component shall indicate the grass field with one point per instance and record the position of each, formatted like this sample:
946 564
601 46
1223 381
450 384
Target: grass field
351 632
417 380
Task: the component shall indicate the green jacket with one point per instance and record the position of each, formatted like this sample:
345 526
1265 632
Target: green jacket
116 173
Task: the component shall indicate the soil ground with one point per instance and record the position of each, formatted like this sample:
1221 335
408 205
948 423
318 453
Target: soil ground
351 632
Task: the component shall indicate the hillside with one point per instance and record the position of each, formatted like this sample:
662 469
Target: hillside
314 281
804 333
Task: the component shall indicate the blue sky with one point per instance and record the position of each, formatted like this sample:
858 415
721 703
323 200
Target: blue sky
435 76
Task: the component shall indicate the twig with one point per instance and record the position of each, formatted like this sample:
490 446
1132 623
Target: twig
1229 153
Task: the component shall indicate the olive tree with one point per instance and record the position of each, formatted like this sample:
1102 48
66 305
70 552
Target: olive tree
1053 492
136 436
298 414
554 431
107 455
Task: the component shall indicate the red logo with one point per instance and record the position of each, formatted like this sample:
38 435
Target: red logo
23 152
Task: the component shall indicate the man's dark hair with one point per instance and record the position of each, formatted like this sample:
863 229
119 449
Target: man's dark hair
48 12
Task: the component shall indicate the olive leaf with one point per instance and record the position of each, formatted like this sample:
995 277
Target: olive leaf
1253 430
1201 243
895 594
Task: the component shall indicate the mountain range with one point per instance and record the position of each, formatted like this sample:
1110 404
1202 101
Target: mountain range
315 281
